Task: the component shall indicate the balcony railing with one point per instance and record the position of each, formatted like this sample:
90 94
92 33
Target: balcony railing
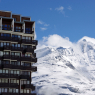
8 93
26 41
4 38
35 42
6 57
11 85
29 32
6 47
14 39
25 77
18 30
8 75
6 28
28 86
28 50
24 58
28 94
15 57
16 48
34 68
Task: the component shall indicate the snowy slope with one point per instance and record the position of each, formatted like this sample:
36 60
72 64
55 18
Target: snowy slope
66 71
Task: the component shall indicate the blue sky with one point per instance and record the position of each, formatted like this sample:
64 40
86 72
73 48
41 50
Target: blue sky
68 18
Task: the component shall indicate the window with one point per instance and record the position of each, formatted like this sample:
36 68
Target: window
16 90
0 71
27 91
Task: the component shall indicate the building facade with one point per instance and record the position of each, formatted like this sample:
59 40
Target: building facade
17 55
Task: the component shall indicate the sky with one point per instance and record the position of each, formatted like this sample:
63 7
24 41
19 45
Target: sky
72 19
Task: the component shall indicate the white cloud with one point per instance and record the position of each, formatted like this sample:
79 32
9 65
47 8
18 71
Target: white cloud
46 24
50 8
60 9
55 41
43 28
40 22
69 8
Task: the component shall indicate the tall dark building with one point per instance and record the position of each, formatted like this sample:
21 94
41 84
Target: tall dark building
17 55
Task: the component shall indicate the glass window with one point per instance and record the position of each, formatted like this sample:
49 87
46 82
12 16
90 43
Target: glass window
28 82
14 81
18 81
6 90
23 37
3 80
27 91
21 90
10 90
0 71
25 82
24 90
8 44
0 80
0 90
18 45
18 62
6 71
1 44
4 43
11 71
3 71
14 72
16 90
17 72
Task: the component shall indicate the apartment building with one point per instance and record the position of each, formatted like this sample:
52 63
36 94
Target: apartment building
17 55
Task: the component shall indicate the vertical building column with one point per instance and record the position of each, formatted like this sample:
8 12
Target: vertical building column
33 29
12 25
23 27
0 23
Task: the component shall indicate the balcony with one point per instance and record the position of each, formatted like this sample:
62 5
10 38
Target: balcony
24 58
16 48
14 39
28 86
28 50
35 42
14 76
34 55
5 66
6 57
8 93
34 47
15 57
4 75
4 38
6 47
25 77
26 41
6 28
29 32
7 75
28 94
34 68
11 85
18 30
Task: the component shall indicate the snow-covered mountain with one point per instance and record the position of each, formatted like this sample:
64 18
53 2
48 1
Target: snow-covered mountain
66 71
